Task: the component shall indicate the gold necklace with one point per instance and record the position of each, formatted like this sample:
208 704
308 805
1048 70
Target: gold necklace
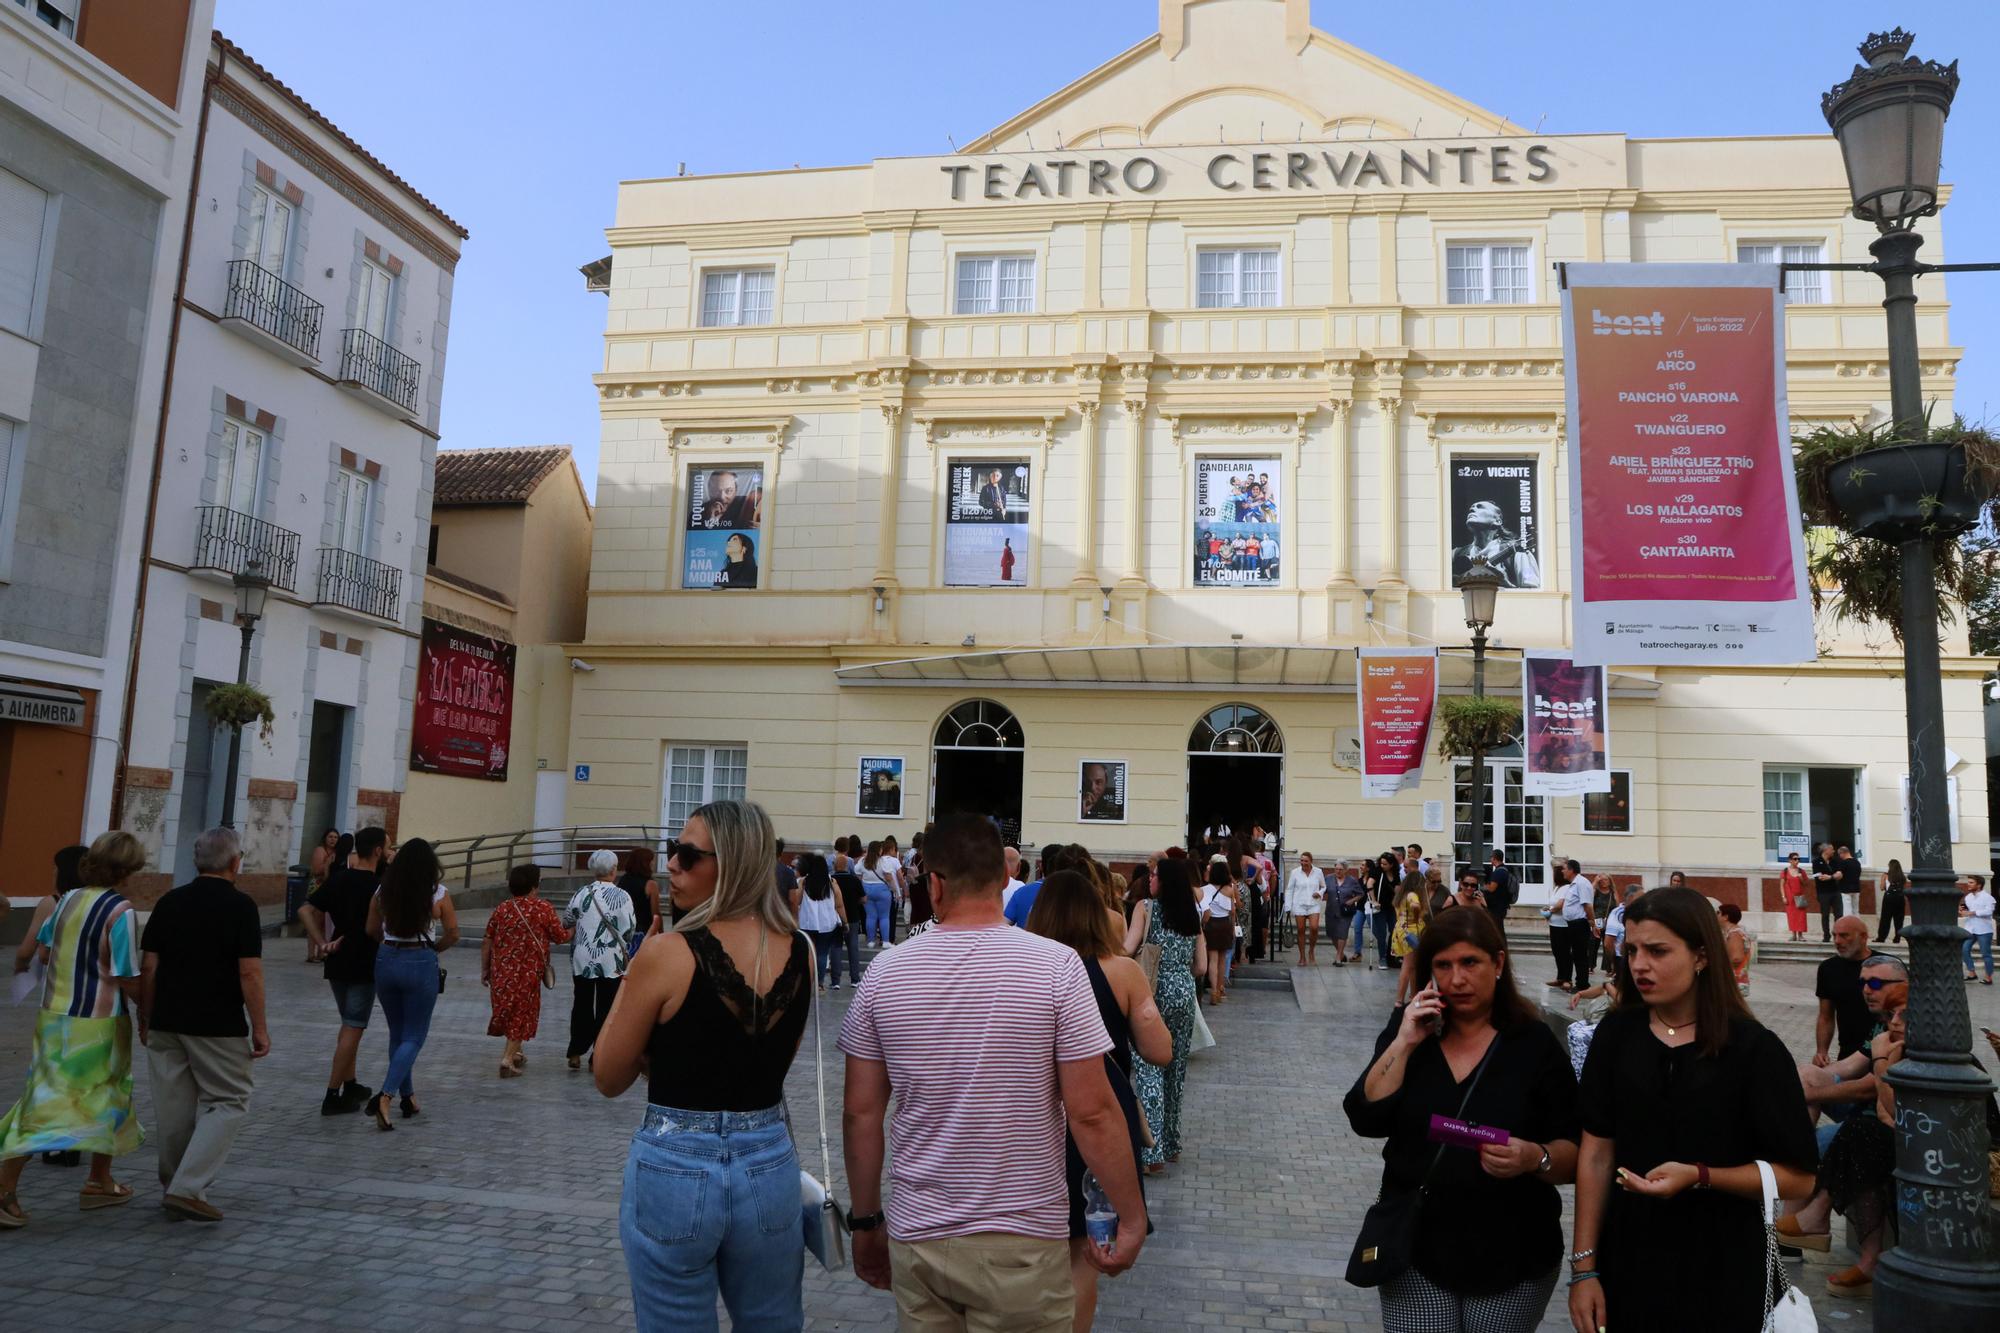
1671 1029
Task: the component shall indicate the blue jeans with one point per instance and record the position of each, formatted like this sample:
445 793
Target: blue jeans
828 944
1357 925
854 951
712 1199
406 982
878 913
1985 943
1383 920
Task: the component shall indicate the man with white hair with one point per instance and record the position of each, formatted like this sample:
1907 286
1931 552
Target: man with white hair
203 970
1014 883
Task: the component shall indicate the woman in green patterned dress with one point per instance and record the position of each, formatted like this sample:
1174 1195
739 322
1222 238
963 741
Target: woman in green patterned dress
79 1090
1168 919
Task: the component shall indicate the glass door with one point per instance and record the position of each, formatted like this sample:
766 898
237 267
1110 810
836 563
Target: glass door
1516 823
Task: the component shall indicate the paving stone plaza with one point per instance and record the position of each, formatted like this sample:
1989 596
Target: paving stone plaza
497 1208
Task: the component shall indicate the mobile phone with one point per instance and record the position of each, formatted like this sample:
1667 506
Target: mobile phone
1435 1023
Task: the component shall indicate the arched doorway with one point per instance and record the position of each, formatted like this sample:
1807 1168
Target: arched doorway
977 758
1236 773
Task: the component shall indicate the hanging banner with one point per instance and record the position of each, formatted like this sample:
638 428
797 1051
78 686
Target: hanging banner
465 704
986 524
1397 693
1685 538
1236 522
1566 726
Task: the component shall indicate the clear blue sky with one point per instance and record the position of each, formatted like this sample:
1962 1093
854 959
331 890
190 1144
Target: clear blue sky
520 118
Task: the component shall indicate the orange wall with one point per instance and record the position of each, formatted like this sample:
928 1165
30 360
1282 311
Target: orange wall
43 773
141 39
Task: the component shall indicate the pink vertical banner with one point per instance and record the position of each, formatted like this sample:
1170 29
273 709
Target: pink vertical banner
1565 726
1396 691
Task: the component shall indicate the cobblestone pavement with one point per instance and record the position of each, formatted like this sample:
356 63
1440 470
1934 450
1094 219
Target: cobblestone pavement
497 1208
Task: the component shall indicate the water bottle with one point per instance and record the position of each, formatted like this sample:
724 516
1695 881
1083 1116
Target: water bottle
1100 1219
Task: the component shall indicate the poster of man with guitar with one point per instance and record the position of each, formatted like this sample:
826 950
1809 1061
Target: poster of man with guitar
1495 499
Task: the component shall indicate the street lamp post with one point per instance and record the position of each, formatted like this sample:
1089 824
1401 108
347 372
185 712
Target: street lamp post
252 588
1480 586
1942 1275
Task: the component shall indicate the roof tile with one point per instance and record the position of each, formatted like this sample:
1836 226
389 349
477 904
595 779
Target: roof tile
494 476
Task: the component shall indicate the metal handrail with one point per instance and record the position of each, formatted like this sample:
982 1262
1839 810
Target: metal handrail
379 368
489 856
358 583
225 539
260 297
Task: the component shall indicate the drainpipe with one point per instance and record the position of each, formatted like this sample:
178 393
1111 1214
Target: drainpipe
209 79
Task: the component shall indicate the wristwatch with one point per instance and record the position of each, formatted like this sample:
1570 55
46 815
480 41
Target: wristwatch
864 1222
1543 1165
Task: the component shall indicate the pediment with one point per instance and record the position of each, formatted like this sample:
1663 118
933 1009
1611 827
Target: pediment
1239 71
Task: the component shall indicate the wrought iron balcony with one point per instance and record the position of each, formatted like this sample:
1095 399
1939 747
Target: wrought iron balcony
225 540
270 306
368 363
359 584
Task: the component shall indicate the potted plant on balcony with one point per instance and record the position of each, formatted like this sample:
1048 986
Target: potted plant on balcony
1475 724
1865 490
240 705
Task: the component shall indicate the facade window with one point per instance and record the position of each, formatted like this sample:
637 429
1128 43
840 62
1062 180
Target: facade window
1806 288
1230 278
1487 275
698 774
58 14
242 466
995 285
270 231
1517 824
431 551
24 212
12 440
1610 811
350 511
378 291
737 296
1804 807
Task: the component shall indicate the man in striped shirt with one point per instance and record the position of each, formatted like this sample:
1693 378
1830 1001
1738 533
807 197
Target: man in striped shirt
991 1041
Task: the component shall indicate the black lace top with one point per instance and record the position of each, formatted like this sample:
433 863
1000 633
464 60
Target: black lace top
727 1048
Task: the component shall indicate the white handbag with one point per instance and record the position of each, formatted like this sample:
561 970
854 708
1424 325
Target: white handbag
1791 1312
825 1225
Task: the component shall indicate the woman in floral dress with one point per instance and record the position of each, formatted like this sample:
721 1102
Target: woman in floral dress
512 960
1170 920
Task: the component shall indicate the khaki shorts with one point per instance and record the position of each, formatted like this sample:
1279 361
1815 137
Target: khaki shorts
993 1281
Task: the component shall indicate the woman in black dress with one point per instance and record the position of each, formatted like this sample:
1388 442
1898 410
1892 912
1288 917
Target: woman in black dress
1070 910
1683 1094
1489 1231
638 882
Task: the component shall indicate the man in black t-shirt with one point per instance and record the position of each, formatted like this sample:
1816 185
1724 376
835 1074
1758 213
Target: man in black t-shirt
1826 888
203 969
336 920
1500 890
1848 866
1842 1010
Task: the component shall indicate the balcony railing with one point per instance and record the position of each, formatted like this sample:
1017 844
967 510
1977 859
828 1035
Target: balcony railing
379 368
261 298
359 584
225 540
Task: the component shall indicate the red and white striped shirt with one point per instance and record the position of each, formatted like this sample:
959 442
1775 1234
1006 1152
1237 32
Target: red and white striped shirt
971 1024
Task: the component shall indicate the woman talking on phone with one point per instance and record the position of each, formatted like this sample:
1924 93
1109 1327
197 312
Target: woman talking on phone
1683 1094
1486 1244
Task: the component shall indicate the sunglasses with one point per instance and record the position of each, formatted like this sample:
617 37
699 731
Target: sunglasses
687 854
1877 983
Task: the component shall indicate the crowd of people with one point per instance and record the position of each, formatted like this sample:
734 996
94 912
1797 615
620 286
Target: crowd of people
1042 1027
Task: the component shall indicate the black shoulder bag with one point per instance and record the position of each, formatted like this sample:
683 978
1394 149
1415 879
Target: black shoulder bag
1382 1251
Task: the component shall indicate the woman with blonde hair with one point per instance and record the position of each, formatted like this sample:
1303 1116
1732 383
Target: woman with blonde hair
79 1092
1413 914
712 1012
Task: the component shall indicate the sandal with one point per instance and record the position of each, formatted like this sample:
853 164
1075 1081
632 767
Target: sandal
94 1196
11 1214
509 1071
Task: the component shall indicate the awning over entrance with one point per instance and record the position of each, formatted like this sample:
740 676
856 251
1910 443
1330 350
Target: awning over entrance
1265 668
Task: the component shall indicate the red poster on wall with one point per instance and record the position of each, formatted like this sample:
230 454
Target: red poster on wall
465 704
1686 543
1397 692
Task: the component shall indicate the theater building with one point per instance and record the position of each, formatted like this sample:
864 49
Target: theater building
1060 478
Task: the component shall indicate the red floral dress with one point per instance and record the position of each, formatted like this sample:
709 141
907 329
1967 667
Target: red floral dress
522 929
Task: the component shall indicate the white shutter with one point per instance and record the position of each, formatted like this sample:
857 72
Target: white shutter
270 231
242 454
23 214
376 288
